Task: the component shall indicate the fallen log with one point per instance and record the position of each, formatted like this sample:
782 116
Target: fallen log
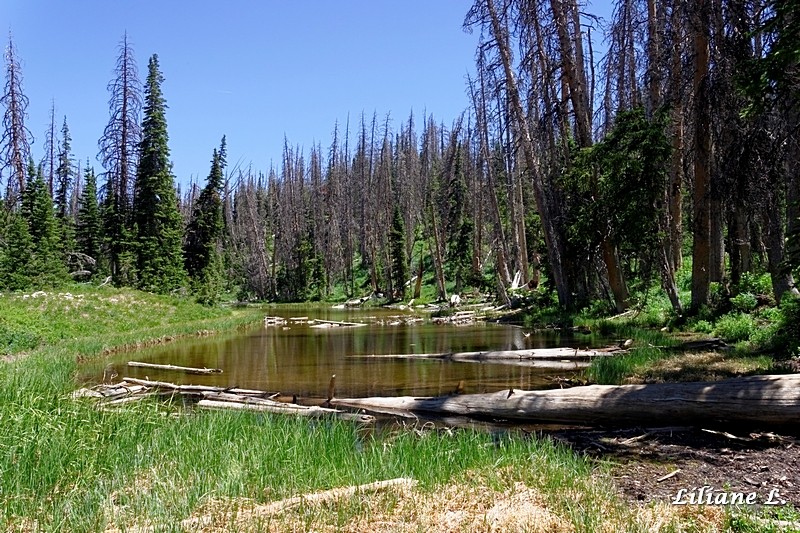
175 368
772 400
269 406
512 355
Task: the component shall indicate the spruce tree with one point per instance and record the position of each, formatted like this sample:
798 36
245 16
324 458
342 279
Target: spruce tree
201 255
46 267
89 225
64 174
157 221
397 239
15 255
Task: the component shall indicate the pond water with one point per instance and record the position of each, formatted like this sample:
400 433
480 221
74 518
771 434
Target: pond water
297 359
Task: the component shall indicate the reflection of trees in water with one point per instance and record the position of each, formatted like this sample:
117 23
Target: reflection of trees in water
301 360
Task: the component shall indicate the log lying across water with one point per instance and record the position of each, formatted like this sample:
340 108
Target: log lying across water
572 354
766 401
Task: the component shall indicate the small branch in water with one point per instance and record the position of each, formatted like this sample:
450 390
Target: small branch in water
175 368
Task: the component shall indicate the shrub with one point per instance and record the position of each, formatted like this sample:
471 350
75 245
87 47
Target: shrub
788 337
735 327
744 302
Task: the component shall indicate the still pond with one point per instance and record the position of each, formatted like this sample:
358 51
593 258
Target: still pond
298 359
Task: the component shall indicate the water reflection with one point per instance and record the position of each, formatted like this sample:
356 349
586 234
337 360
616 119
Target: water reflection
299 360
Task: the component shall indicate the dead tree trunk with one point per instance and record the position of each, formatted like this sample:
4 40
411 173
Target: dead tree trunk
759 401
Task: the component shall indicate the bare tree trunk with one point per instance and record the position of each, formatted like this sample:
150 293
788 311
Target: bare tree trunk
553 237
701 247
436 253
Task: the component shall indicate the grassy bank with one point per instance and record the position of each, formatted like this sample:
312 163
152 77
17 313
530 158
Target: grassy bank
66 466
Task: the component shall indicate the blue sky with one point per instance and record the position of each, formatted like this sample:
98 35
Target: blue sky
252 70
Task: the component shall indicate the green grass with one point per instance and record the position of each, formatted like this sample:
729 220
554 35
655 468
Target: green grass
67 466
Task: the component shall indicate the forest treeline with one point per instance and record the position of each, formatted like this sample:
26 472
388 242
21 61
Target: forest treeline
583 178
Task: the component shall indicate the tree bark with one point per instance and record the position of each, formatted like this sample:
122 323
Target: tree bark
701 246
758 401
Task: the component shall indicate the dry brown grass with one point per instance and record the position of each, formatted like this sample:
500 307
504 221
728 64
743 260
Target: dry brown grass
702 366
455 507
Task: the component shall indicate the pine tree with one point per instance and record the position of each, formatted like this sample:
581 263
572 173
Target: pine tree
46 266
15 255
157 221
63 173
201 255
397 239
89 225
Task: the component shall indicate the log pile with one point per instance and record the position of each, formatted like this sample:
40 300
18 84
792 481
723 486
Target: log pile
207 397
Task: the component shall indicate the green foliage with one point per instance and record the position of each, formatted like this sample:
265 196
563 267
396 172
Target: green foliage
613 188
16 250
788 337
46 267
203 234
744 301
63 173
397 243
158 226
735 327
89 224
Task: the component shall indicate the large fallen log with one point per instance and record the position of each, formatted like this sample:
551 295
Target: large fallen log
772 400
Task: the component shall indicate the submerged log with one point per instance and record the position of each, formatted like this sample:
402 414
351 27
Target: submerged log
175 368
512 355
335 324
772 400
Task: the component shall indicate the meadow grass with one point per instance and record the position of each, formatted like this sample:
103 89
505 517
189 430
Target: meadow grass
67 466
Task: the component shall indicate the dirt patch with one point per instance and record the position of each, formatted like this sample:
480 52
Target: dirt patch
763 464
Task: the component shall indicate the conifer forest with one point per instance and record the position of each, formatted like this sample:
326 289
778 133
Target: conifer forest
574 178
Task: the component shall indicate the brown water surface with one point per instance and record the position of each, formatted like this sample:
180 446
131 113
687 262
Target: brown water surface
296 359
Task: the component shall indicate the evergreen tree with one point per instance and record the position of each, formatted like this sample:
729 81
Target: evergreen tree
89 224
15 255
157 221
63 173
397 239
46 266
201 255
64 178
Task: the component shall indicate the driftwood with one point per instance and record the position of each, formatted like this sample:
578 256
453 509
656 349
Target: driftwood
175 368
273 508
196 389
772 400
132 390
228 401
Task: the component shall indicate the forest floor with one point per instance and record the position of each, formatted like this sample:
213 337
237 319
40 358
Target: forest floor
761 463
